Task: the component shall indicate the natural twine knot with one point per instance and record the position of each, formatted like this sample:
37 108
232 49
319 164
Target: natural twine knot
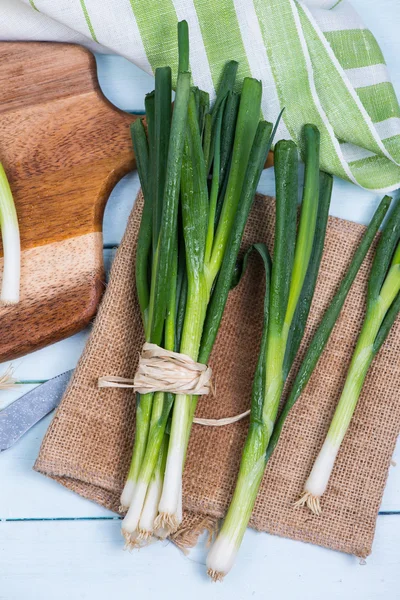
161 370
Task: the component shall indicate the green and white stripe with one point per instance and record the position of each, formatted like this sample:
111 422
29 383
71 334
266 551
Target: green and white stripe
125 15
260 68
199 64
314 57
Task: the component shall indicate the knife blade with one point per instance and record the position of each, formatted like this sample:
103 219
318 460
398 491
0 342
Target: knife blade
24 413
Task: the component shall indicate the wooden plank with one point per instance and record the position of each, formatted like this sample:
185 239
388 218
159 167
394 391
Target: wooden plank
63 146
78 559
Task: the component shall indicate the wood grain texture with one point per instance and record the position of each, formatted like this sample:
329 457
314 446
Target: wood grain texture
64 147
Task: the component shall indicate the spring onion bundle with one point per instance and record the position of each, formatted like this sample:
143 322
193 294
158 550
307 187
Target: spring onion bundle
383 306
196 205
222 554
11 243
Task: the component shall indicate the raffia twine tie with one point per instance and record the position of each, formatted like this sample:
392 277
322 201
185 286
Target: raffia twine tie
161 370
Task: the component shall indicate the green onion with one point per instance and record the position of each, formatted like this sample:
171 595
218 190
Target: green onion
329 319
11 243
225 88
228 132
262 144
146 244
383 294
151 184
162 124
284 286
165 244
304 303
143 259
140 147
164 256
150 506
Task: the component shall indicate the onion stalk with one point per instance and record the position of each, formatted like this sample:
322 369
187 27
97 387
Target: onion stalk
10 288
383 305
284 289
202 272
324 330
153 297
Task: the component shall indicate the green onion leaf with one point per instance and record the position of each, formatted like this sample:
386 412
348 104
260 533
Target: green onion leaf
327 323
384 253
143 250
261 146
162 124
297 328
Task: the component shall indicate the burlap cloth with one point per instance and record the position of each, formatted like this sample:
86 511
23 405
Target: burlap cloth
88 446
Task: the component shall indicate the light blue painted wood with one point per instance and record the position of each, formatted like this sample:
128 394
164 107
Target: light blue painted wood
124 84
118 208
84 560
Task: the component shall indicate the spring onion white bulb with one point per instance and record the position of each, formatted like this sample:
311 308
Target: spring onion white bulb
150 509
170 501
221 557
130 524
127 495
11 243
147 527
223 552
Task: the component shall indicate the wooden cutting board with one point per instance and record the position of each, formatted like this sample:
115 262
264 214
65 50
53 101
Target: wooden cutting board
64 147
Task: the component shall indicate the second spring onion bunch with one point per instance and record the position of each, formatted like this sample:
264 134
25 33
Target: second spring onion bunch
255 453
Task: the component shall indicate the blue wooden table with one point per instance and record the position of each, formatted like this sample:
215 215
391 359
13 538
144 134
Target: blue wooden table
55 545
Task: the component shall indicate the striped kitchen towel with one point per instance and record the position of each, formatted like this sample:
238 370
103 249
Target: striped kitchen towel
314 57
